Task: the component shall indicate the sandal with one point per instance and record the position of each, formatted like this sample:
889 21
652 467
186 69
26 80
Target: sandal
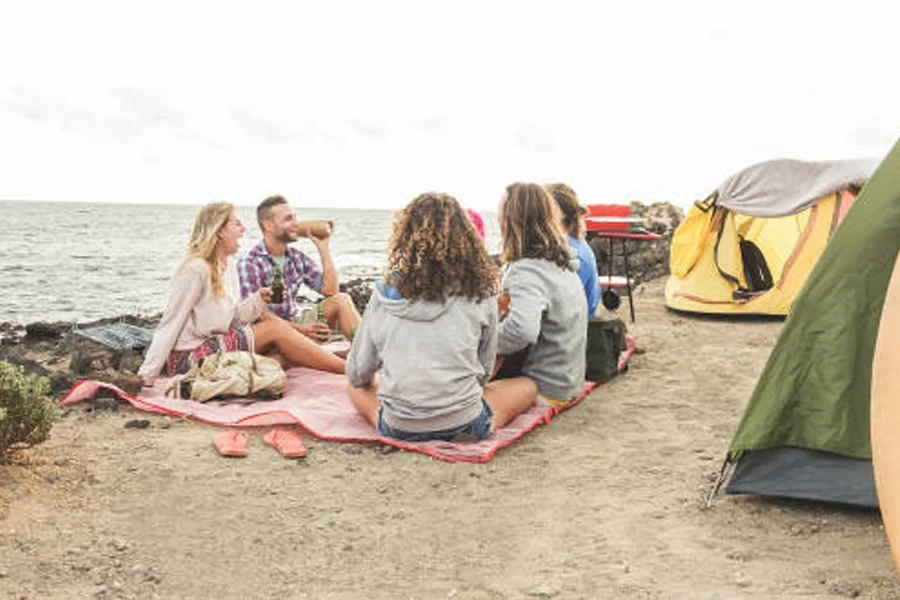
288 443
232 444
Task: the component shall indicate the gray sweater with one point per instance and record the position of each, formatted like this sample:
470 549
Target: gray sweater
548 311
434 358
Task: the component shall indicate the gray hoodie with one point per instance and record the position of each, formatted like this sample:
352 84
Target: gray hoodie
548 311
434 358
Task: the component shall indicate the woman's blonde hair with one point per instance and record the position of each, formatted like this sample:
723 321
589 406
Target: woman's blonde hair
572 210
528 227
436 252
211 219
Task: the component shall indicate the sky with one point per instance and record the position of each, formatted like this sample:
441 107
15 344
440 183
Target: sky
366 104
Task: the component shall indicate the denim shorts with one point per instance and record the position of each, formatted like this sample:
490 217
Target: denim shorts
475 430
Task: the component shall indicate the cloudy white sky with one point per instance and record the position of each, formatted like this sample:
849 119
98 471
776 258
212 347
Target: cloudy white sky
365 104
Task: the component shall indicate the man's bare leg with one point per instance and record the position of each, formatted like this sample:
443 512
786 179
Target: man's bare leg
341 313
299 350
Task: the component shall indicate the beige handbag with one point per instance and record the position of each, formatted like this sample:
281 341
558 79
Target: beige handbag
229 374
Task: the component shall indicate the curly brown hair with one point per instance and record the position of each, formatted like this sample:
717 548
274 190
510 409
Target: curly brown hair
528 227
572 210
435 252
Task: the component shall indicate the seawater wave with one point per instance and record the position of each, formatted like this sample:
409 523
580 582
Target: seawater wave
81 262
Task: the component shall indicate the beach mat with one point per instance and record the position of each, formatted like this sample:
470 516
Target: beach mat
318 402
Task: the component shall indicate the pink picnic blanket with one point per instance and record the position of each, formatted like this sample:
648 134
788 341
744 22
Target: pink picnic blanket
318 402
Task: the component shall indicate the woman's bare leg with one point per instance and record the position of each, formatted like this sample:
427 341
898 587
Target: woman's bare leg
340 312
298 349
365 401
508 398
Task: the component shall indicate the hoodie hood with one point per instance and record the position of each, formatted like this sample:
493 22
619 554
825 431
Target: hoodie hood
400 307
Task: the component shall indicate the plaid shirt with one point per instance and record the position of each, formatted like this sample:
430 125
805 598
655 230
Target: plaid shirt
257 268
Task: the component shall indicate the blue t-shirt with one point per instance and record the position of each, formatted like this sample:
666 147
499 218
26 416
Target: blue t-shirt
587 272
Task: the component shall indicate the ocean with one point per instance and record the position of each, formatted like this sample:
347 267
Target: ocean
82 262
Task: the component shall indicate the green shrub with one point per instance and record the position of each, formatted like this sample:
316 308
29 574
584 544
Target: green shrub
27 410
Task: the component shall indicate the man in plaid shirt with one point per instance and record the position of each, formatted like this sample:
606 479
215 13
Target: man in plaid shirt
257 268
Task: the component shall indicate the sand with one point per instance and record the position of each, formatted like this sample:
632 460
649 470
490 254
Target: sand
605 502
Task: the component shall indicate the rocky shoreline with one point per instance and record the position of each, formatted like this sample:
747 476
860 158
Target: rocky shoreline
54 349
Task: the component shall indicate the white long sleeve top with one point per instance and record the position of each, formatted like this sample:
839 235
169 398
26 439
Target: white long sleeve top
195 313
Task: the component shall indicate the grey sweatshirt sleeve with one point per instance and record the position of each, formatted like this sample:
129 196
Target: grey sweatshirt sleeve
527 303
487 345
363 360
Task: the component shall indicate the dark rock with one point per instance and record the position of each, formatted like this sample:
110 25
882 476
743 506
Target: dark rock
102 402
11 333
130 361
61 382
90 357
137 424
10 328
44 330
31 366
129 383
359 289
67 344
12 352
54 351
41 346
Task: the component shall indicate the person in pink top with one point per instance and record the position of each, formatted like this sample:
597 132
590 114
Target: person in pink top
477 220
205 313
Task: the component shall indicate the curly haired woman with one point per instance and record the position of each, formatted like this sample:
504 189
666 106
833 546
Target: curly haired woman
547 309
205 313
431 328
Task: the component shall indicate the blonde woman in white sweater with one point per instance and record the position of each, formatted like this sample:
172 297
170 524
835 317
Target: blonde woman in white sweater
205 313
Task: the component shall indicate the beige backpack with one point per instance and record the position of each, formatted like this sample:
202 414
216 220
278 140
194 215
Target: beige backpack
227 374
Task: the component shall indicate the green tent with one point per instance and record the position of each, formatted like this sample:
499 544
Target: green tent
805 431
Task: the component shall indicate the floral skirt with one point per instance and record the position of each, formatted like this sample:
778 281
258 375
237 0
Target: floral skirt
181 361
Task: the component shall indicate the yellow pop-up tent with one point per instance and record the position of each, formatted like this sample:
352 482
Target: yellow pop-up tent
750 245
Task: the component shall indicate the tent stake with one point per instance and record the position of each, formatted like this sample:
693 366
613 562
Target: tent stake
718 484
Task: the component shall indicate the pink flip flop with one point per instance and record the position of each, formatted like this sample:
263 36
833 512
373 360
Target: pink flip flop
288 443
232 444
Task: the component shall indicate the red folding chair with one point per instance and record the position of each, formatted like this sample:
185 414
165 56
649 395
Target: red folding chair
612 222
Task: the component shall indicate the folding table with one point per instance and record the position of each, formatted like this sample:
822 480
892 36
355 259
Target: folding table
613 228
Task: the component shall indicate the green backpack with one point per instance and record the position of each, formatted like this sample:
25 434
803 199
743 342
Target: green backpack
605 343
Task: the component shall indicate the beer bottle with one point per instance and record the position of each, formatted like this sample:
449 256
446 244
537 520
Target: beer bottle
320 318
277 286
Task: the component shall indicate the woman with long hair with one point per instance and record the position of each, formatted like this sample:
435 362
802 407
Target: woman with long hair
205 313
571 213
431 329
546 310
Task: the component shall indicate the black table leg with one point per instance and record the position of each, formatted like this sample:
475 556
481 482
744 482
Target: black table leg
627 279
611 254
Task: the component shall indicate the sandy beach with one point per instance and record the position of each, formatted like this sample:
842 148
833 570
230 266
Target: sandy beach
607 501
